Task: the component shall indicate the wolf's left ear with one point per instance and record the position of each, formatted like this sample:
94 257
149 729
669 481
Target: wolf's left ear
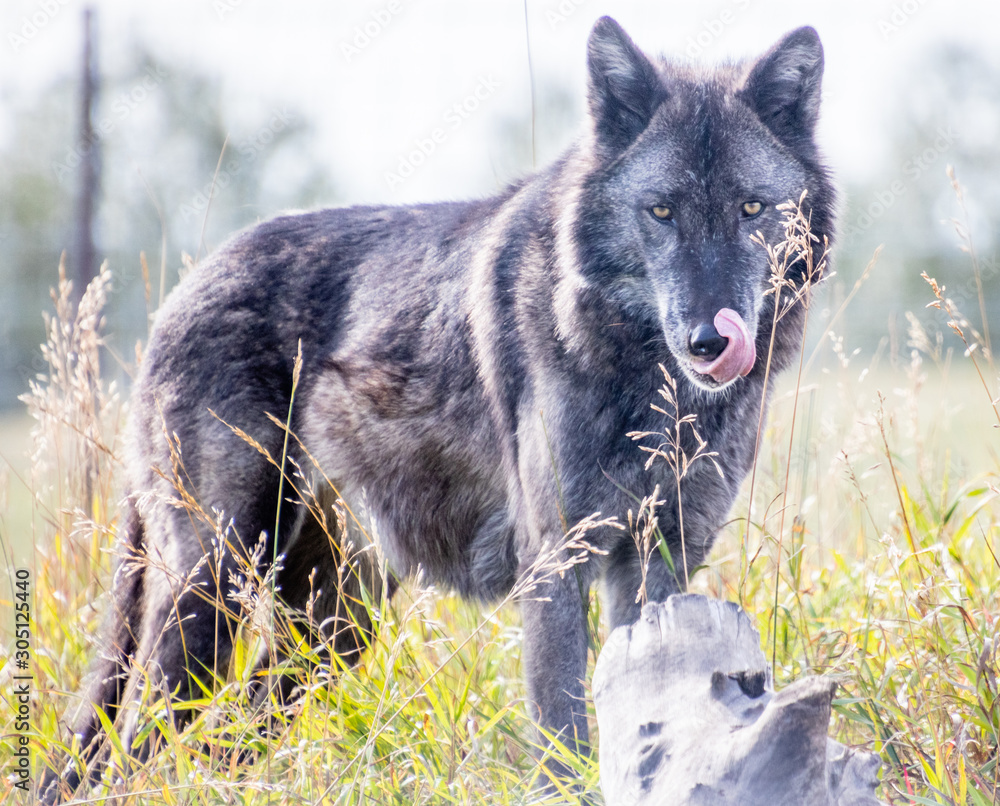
624 88
784 86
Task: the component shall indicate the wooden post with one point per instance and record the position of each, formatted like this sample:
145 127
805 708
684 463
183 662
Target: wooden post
688 716
84 258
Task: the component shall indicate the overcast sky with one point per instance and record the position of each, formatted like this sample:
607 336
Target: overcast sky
376 95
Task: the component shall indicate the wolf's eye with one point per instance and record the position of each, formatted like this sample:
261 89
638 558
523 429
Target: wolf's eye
662 212
751 209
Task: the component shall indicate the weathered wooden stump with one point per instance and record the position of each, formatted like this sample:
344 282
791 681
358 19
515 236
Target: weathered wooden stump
688 715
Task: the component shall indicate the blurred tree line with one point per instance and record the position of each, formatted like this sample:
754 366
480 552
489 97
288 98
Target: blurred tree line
946 113
176 180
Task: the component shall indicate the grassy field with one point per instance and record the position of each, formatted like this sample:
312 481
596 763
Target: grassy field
865 549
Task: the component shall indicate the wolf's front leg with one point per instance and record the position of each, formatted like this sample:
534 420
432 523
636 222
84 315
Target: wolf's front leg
555 660
629 585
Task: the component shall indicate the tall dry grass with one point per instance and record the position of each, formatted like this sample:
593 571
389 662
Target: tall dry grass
866 552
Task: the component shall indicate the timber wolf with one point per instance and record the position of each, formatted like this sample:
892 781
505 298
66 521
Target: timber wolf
470 372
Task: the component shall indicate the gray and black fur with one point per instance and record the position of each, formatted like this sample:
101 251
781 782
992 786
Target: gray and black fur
471 371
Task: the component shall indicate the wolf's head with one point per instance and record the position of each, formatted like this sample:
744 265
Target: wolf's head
686 165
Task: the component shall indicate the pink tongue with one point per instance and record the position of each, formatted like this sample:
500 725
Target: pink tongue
738 357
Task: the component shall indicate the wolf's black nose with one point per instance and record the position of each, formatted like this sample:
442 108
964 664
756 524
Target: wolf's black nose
705 342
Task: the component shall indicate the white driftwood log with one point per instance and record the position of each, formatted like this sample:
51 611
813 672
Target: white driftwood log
688 716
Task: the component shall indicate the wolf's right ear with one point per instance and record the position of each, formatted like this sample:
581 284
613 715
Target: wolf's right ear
624 88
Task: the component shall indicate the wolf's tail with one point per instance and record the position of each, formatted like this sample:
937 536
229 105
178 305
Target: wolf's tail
109 673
